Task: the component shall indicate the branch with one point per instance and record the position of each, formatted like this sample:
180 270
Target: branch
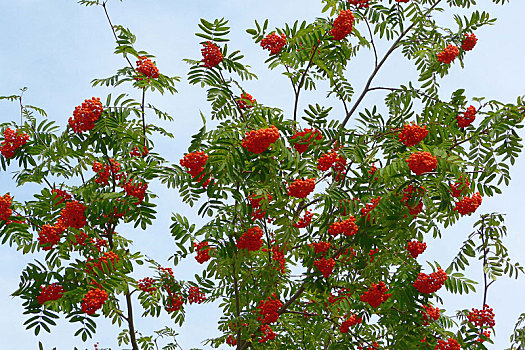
115 34
130 322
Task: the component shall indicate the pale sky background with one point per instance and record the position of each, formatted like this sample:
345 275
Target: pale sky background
57 47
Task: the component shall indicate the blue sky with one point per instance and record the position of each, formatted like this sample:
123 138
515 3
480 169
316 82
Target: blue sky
56 50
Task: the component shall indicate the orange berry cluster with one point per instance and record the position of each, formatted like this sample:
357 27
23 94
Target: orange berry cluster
147 68
448 54
255 201
408 193
246 101
460 187
278 255
267 333
430 314
135 189
467 118
486 334
346 227
274 43
12 142
258 141
468 205
106 259
305 220
321 247
350 321
416 248
365 212
73 214
50 235
413 134
135 152
103 172
61 195
5 204
326 266
195 295
483 317
359 3
269 309
326 161
430 283
85 115
450 344
469 42
376 294
343 25
49 293
147 285
305 138
203 252
251 239
195 162
421 162
93 300
211 55
301 188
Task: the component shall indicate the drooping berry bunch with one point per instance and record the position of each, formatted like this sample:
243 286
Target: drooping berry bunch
147 68
73 215
251 239
104 172
343 25
303 139
135 189
365 212
60 195
203 252
468 205
301 188
416 248
147 285
469 42
482 318
274 43
267 333
376 294
350 321
246 101
49 293
305 220
50 235
413 134
421 162
195 162
409 193
460 187
12 141
85 115
346 227
321 247
429 314
269 309
211 55
448 54
326 266
94 300
195 295
359 3
5 207
467 118
430 283
258 141
255 201
278 256
449 344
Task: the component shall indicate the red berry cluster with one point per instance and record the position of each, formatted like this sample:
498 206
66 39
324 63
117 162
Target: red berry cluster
93 300
460 187
416 247
305 220
12 142
195 295
274 43
326 266
469 42
376 294
468 205
203 252
61 196
301 188
246 101
103 172
269 309
258 141
467 118
255 201
430 314
195 162
251 239
147 68
50 235
5 204
421 162
373 252
267 333
174 302
430 283
107 259
350 321
326 161
359 3
404 1
321 247
147 285
448 54
135 189
211 55
413 134
365 212
343 25
450 344
85 115
346 227
408 194
305 138
483 317
135 152
73 214
49 293
278 255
